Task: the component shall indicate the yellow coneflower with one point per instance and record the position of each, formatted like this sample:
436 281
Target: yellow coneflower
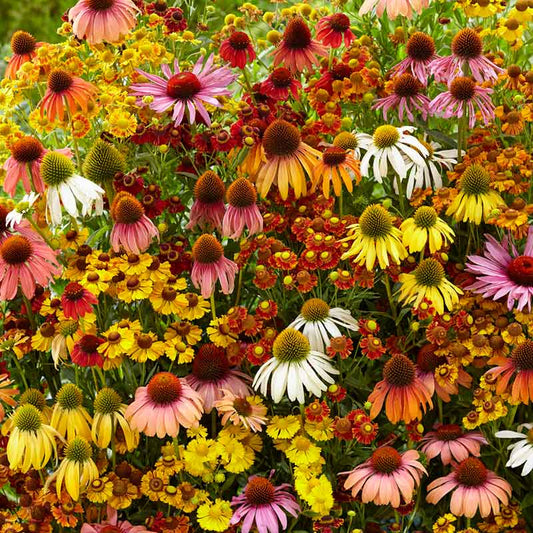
337 166
423 228
375 238
428 281
476 200
69 417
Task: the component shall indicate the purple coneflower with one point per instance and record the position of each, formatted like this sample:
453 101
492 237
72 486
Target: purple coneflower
420 53
208 208
242 211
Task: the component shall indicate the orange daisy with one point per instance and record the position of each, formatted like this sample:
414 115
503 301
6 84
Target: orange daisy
337 166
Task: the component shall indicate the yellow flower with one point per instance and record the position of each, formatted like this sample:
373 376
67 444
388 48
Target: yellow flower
446 374
169 465
171 495
423 228
320 431
124 492
184 331
320 497
117 342
510 29
219 332
146 346
42 340
134 264
96 281
177 348
215 516
69 417
196 308
73 238
444 524
134 288
237 457
198 431
200 456
153 484
283 427
302 451
166 300
122 123
100 490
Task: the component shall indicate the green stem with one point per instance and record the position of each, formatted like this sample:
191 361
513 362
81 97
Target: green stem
20 371
213 306
239 286
389 296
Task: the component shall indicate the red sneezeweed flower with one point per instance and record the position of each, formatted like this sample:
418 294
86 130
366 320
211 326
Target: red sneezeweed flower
387 478
317 411
372 347
403 392
280 84
210 266
208 208
24 47
85 351
132 229
475 487
65 92
242 211
237 49
334 29
165 404
364 430
77 301
341 346
297 49
103 20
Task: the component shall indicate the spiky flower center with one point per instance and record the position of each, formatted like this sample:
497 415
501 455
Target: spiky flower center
463 88
420 46
27 150
23 43
16 250
59 80
207 250
406 85
334 156
27 418
399 371
103 162
209 188
475 181
291 346
375 222
78 450
386 460
88 344
259 491
281 77
210 363
69 397
239 40
448 432
241 193
33 397
346 140
429 273
126 209
164 388
183 86
520 270
467 44
56 168
339 22
73 292
281 139
297 35
315 310
107 401
427 360
386 136
100 5
471 472
522 356
425 217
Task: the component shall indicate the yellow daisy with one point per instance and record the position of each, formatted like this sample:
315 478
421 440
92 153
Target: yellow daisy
215 516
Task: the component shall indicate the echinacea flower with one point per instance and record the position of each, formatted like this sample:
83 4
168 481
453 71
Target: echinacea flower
294 368
212 372
502 272
65 92
393 7
208 207
467 53
6 395
210 266
428 281
68 189
476 200
242 210
332 30
85 351
25 260
237 49
425 228
462 98
103 20
319 323
24 47
387 477
521 450
474 487
263 505
132 229
420 50
280 84
15 217
77 301
404 394
165 404
247 411
186 91
373 238
288 160
337 166
297 49
113 525
451 444
69 417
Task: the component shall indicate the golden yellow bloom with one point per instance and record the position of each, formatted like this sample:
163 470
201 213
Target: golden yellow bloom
166 300
302 451
100 490
196 308
122 123
117 341
283 427
146 346
444 524
134 288
200 456
153 484
69 417
219 332
215 516
425 227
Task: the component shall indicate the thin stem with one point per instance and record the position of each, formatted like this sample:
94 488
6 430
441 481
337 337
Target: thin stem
213 306
389 296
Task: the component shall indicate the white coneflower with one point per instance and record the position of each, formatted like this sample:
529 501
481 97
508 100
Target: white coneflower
521 451
318 322
16 215
294 369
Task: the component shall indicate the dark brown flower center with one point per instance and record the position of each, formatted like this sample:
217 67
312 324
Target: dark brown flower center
126 209
59 81
514 71
239 40
523 356
520 270
242 406
16 250
241 193
23 43
427 360
73 292
334 156
297 34
209 188
164 388
207 249
339 22
100 5
406 85
210 363
281 139
420 46
471 472
386 460
259 491
449 432
144 341
399 371
340 71
27 150
467 44
183 85
463 88
281 77
89 344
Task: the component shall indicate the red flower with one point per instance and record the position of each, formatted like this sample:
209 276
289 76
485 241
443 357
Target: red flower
333 29
280 84
85 351
371 347
237 49
77 301
316 411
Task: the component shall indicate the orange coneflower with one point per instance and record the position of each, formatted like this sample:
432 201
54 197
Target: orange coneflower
337 167
6 395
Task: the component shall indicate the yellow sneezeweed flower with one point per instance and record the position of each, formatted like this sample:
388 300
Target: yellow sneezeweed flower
117 341
122 123
96 281
320 431
146 346
153 483
219 332
176 348
510 29
134 288
42 340
169 465
283 427
214 516
302 451
133 264
196 307
158 271
320 495
69 417
236 458
444 524
99 490
166 300
73 238
124 492
184 331
200 456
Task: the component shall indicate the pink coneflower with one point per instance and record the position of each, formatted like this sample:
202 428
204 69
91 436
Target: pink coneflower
451 444
208 208
163 405
85 351
264 505
113 525
27 260
467 52
280 84
211 266
103 20
297 49
475 487
186 90
24 47
242 211
393 7
420 53
65 91
387 477
405 98
245 410
237 49
77 301
334 29
502 272
211 372
462 94
132 229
